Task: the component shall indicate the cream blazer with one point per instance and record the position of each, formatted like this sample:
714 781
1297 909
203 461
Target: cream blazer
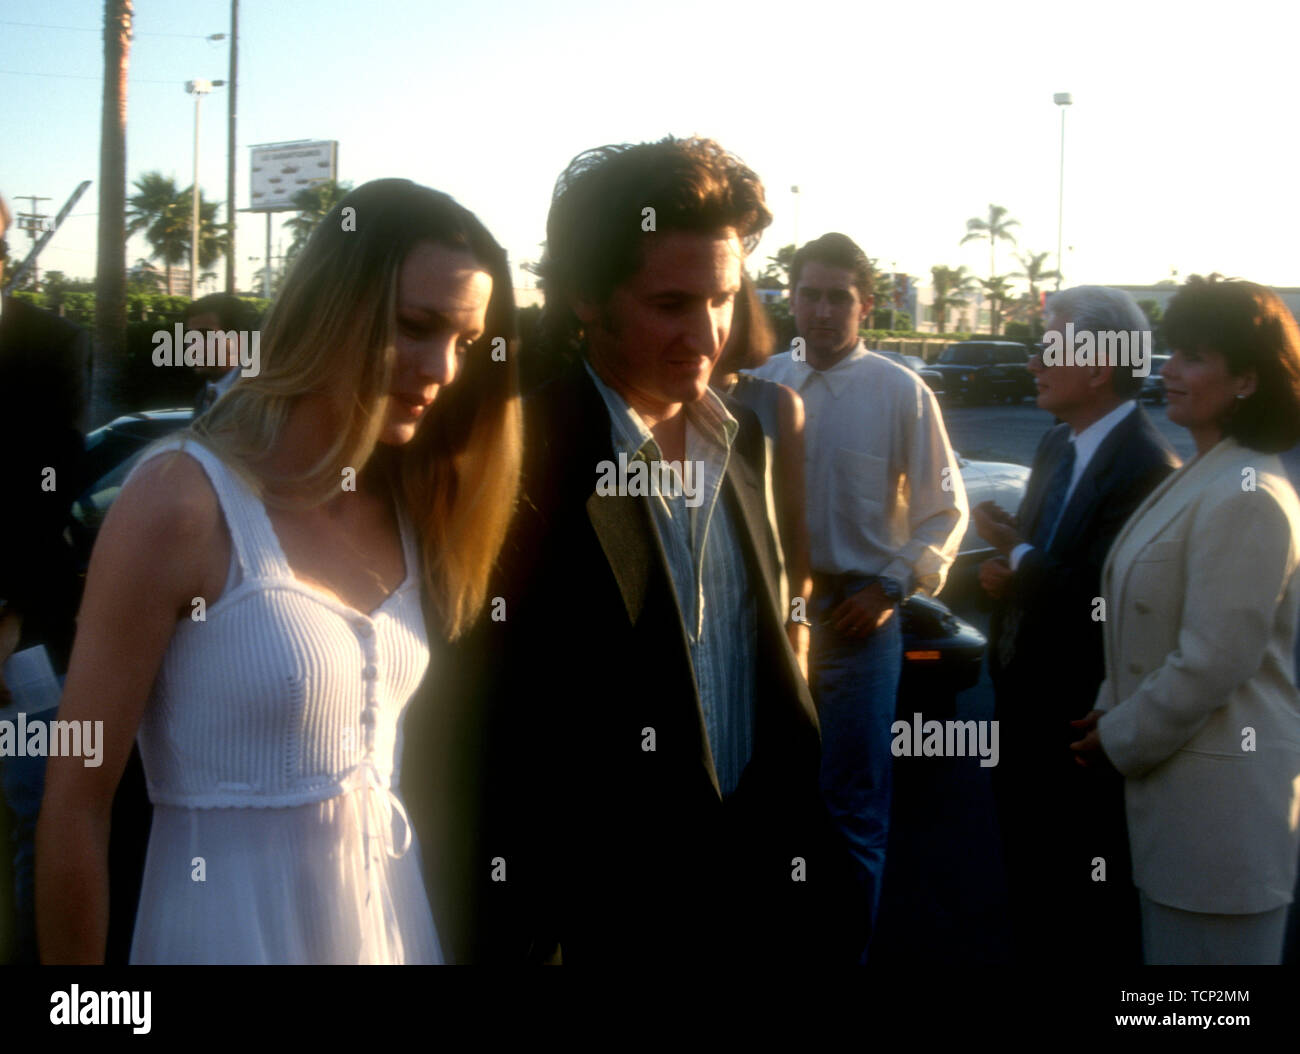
1202 715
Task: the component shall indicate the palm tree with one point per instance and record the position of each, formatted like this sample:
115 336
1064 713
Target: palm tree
109 355
1033 272
996 227
951 284
998 290
212 236
776 275
156 209
145 276
313 204
164 214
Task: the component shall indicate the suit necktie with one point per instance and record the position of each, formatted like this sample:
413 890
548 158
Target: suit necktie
1054 500
1049 513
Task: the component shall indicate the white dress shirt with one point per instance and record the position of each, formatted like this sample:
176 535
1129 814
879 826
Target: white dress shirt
878 497
1085 446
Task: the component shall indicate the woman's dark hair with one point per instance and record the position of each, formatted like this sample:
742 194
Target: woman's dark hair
1253 330
752 338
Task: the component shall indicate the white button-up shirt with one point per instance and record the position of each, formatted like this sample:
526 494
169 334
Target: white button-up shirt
884 492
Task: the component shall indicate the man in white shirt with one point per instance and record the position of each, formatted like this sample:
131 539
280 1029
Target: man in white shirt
886 513
1045 650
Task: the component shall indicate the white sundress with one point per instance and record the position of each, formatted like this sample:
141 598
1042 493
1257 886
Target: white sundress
270 747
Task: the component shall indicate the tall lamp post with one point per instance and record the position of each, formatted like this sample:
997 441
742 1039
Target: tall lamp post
795 192
1062 99
197 88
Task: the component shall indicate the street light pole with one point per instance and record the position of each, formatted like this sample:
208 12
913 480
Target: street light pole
1062 99
197 88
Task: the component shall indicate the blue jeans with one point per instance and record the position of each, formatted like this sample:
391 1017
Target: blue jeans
855 685
22 781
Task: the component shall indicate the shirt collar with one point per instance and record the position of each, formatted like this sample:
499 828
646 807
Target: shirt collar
631 436
837 378
1087 441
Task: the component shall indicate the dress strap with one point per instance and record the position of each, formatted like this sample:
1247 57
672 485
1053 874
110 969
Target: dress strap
410 544
256 546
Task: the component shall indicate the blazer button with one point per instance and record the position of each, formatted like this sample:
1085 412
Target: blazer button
1141 608
1134 668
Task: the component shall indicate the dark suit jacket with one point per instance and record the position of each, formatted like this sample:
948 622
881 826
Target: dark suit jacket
1058 645
614 852
42 400
1056 818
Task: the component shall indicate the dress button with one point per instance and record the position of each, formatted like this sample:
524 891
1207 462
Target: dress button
1134 668
368 718
1141 608
363 628
369 673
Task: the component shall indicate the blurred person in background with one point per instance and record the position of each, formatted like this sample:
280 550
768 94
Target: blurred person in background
43 382
780 412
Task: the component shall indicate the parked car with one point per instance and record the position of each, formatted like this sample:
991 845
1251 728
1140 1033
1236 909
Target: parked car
984 371
942 653
932 377
996 481
1153 385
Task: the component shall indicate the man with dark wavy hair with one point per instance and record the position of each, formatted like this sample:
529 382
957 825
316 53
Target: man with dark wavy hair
656 799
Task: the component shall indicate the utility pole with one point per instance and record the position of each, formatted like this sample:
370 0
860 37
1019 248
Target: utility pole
33 222
230 146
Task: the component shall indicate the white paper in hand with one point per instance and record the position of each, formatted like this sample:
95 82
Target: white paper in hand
29 675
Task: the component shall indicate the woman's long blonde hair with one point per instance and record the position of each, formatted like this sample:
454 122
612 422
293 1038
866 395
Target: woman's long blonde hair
335 317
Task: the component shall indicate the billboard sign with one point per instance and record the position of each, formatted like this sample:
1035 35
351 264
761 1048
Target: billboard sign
281 170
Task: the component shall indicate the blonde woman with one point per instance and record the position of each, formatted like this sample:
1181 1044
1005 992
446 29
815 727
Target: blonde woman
253 607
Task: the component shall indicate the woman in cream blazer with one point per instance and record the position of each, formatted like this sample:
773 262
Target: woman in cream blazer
1199 709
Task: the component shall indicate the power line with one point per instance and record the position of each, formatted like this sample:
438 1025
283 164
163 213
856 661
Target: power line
87 77
99 29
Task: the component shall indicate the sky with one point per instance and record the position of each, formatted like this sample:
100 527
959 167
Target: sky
897 122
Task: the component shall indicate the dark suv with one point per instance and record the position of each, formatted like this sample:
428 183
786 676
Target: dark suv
983 371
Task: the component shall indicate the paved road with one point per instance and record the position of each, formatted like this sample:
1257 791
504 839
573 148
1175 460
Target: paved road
1011 433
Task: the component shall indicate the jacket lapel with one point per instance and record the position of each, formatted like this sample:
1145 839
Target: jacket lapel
1027 517
1100 466
1169 499
633 549
751 499
621 526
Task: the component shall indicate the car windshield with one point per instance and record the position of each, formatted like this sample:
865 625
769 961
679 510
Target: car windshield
963 355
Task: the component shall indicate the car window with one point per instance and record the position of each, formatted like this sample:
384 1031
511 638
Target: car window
964 355
1009 355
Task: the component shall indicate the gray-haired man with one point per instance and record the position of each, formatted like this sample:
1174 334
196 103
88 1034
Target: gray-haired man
1063 826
